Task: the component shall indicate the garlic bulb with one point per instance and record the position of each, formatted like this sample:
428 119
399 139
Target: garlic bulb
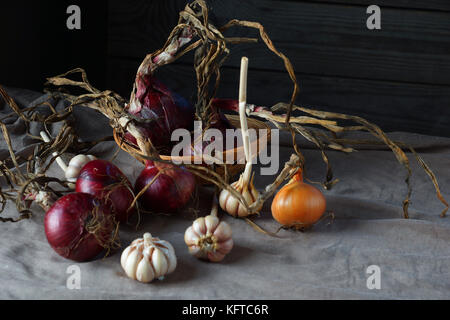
148 259
232 205
76 164
209 239
244 186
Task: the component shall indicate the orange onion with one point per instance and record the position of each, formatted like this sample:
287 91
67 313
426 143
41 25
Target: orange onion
298 205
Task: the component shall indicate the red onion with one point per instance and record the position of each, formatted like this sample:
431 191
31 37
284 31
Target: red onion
104 180
168 110
79 226
171 190
154 101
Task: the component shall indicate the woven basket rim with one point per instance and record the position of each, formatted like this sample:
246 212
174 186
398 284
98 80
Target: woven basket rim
234 119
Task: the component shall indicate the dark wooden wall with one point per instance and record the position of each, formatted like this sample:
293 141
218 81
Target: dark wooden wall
398 77
35 42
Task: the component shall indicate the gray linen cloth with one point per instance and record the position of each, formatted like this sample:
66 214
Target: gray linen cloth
328 262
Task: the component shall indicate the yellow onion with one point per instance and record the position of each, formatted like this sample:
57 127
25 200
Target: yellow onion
298 205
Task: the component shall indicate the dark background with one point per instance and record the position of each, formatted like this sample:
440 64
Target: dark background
398 77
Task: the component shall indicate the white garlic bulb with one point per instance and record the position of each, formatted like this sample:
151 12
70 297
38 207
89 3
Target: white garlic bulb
148 259
209 239
76 164
244 186
232 205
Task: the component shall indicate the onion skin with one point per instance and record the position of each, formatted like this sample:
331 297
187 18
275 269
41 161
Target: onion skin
298 205
104 180
171 191
66 227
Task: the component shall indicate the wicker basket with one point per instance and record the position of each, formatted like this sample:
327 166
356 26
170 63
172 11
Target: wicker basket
232 169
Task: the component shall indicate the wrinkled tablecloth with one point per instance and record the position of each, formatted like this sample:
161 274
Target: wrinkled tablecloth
328 262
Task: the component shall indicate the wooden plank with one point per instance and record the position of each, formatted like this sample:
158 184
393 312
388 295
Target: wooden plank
394 106
320 38
141 24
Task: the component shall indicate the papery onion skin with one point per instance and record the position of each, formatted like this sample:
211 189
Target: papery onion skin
104 180
170 192
298 204
66 226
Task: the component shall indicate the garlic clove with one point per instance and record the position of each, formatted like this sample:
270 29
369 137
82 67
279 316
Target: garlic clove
230 203
223 198
223 232
190 237
226 246
160 264
76 164
144 272
78 161
195 251
211 223
199 226
132 263
254 192
124 257
248 196
172 261
72 172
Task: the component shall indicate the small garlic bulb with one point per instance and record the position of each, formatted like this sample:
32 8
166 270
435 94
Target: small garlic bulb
244 186
209 239
76 164
232 205
148 259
